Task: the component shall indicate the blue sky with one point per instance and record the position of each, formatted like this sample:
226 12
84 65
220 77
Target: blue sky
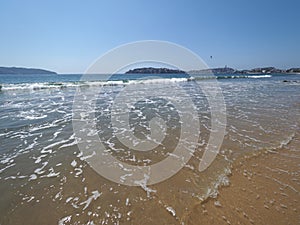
67 36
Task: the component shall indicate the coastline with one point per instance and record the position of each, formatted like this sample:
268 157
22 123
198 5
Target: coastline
42 167
263 189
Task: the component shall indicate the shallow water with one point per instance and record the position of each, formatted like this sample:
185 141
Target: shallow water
46 180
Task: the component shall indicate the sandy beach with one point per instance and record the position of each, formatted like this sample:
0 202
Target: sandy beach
264 189
46 179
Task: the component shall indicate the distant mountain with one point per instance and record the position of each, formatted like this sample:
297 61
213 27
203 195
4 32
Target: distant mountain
228 70
265 70
151 70
293 70
19 70
223 70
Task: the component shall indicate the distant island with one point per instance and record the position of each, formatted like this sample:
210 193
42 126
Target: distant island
151 70
224 70
20 70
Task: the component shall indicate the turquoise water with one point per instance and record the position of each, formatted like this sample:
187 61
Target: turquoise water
58 78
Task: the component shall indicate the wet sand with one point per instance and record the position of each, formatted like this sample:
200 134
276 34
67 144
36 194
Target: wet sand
264 189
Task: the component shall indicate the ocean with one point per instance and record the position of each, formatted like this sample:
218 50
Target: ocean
46 178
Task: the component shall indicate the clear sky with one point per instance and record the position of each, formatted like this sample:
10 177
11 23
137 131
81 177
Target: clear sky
67 36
